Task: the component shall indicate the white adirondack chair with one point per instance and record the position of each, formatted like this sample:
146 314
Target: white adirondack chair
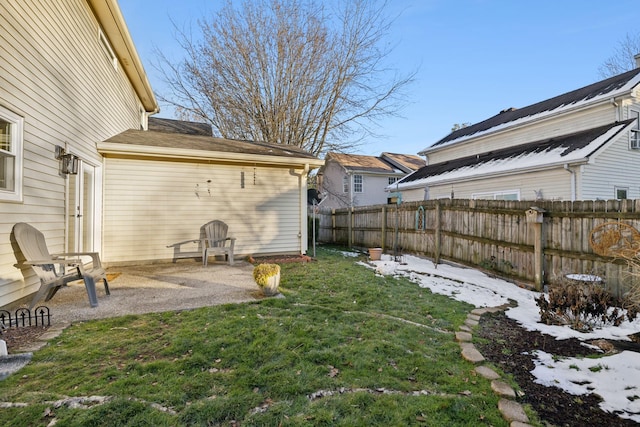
56 270
213 240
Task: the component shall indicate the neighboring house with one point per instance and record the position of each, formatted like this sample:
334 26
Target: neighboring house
74 95
356 180
582 145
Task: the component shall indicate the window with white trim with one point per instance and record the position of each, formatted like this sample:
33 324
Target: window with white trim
393 180
621 192
108 50
11 126
357 183
634 137
498 195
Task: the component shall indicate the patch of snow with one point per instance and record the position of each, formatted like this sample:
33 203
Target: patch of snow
616 377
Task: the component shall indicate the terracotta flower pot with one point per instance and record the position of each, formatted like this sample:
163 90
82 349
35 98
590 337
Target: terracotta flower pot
375 254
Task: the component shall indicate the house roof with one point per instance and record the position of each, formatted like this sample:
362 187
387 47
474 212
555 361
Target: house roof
179 126
406 162
113 24
578 147
196 147
388 163
604 90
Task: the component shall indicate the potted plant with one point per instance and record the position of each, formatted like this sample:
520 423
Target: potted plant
267 276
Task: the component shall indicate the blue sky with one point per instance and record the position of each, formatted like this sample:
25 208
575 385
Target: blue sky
473 57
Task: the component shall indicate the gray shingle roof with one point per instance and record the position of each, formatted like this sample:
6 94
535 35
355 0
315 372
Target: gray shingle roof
605 88
566 148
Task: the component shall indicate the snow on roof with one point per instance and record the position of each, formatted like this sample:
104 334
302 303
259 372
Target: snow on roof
603 90
570 148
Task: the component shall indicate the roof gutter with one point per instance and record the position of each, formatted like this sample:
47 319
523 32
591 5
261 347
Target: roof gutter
110 18
110 149
421 183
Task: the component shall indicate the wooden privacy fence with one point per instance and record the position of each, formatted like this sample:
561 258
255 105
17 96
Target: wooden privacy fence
506 237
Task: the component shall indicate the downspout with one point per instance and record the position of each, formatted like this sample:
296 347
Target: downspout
573 181
302 230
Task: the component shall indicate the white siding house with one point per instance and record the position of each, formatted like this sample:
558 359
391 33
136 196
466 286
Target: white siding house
581 145
356 180
69 77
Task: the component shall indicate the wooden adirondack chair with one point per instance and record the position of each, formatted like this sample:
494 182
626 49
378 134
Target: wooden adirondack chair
212 241
56 270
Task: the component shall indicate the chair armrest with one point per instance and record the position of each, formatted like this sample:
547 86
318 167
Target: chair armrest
184 242
95 256
53 261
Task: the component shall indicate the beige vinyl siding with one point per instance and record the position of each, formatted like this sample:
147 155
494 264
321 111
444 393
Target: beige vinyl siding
617 166
592 117
556 185
54 74
151 204
413 195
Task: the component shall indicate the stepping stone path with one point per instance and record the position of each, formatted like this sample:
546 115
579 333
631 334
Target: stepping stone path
511 410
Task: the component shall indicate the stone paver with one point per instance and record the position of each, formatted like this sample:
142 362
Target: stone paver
472 355
486 372
473 317
465 328
512 411
502 388
470 322
464 336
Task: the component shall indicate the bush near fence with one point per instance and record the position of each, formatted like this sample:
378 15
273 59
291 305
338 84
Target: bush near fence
489 234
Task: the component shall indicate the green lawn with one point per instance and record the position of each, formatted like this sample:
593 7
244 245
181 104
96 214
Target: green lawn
343 348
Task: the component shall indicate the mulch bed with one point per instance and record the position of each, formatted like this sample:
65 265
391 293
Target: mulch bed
509 346
279 259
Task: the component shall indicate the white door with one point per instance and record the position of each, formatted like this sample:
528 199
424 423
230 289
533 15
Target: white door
81 210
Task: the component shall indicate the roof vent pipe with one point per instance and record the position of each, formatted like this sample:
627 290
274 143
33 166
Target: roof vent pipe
637 58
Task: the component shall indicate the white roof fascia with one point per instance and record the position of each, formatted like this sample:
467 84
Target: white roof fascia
117 149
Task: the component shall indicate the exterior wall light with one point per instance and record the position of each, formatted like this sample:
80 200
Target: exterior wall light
69 162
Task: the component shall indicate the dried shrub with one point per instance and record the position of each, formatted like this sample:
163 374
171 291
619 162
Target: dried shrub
621 241
582 305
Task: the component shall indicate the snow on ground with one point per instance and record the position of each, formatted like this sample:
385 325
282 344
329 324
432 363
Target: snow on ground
616 378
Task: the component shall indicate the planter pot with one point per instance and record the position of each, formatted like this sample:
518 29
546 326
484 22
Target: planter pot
271 288
375 254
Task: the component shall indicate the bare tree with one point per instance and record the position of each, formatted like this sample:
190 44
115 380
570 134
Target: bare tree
623 58
288 72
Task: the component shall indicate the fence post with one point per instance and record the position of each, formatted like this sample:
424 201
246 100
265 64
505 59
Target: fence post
436 235
349 228
535 217
333 225
384 227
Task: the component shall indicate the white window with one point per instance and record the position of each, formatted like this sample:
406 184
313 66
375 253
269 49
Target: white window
345 184
634 139
621 192
108 50
357 183
393 180
11 126
498 195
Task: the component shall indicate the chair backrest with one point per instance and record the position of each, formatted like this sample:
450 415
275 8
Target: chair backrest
216 230
31 242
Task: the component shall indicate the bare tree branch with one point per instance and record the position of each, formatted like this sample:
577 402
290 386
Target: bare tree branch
289 72
623 58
